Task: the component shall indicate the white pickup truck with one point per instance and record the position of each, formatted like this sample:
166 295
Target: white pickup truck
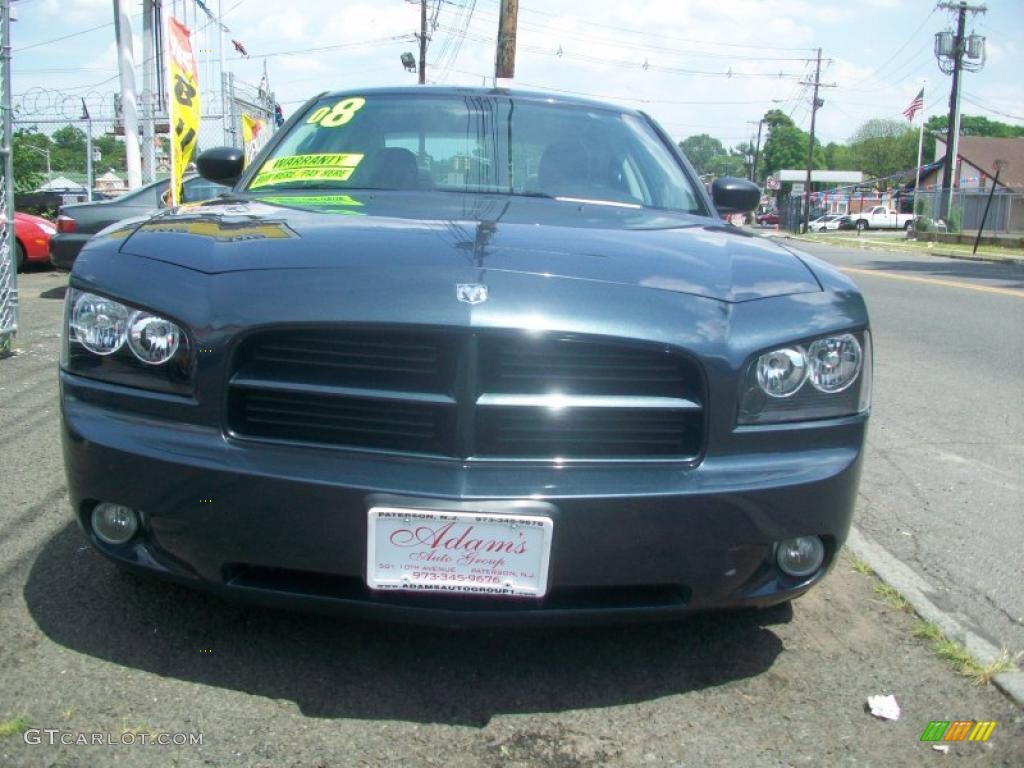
881 217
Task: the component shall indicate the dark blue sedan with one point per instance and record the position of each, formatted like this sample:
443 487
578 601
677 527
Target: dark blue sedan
465 355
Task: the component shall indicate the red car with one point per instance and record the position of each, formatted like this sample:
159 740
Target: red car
770 218
31 238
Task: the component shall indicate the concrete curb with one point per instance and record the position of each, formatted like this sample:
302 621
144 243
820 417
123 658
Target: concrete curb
916 590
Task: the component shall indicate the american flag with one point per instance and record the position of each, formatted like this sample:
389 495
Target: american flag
915 106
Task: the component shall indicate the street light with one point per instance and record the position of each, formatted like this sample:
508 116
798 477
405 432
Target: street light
46 152
409 62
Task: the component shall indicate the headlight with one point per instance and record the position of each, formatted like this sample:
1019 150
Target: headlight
106 339
152 339
823 378
98 323
834 362
782 372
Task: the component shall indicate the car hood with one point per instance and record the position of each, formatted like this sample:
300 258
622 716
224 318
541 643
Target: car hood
417 234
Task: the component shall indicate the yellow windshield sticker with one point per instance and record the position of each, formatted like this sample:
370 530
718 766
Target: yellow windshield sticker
339 114
312 200
322 167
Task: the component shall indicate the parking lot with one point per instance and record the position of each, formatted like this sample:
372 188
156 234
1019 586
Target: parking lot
85 649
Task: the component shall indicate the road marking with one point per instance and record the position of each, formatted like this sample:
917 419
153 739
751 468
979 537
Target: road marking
935 281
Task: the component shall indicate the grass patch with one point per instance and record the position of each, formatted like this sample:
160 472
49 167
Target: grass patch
13 727
957 655
859 566
891 597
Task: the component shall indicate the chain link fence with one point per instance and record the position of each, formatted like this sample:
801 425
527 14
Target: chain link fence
8 259
1005 212
97 115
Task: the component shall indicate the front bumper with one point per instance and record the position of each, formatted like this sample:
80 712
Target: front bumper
286 524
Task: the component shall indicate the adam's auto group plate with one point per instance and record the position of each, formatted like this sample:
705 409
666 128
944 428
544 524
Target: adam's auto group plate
476 553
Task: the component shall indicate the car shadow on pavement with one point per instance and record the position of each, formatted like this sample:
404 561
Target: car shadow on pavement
999 275
335 668
54 293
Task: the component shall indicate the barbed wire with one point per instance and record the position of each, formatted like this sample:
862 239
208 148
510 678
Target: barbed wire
39 103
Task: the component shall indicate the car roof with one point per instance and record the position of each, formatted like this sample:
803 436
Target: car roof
514 93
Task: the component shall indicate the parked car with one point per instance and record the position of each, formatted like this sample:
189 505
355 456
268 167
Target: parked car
846 222
31 239
769 218
420 365
828 222
77 222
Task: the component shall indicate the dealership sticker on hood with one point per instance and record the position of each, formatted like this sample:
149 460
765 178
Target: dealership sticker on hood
335 167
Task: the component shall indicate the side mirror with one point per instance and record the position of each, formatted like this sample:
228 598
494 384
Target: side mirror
222 165
732 195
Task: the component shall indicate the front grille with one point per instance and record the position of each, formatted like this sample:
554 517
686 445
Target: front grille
582 366
597 432
356 421
468 395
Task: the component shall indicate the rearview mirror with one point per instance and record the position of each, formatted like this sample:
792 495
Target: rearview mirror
222 165
732 195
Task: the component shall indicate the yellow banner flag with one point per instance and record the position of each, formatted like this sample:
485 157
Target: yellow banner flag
183 88
254 136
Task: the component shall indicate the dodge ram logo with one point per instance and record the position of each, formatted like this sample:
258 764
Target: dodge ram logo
471 293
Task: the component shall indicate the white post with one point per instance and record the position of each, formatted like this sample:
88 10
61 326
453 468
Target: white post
129 107
147 97
89 181
223 90
920 149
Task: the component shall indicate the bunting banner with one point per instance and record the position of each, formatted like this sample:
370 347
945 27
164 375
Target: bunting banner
183 90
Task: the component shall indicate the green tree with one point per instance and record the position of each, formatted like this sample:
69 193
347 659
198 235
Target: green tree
970 125
111 150
883 147
702 149
29 158
837 157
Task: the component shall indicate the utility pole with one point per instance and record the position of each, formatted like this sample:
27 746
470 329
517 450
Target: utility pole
505 57
810 144
757 149
952 51
423 41
129 109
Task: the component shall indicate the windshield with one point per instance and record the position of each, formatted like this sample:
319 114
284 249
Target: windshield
478 143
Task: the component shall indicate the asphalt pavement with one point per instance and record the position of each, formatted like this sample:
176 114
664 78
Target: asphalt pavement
943 482
87 652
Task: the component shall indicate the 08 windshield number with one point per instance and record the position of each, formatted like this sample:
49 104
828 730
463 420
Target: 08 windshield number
340 114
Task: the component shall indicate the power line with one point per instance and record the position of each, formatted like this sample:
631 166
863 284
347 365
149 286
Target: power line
899 50
648 33
974 100
65 37
620 97
649 47
561 53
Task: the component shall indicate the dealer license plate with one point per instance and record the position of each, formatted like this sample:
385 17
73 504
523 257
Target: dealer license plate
478 553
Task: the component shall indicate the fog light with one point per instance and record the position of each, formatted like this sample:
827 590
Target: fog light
114 523
801 556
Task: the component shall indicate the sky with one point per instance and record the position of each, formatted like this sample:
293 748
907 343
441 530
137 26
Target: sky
695 66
